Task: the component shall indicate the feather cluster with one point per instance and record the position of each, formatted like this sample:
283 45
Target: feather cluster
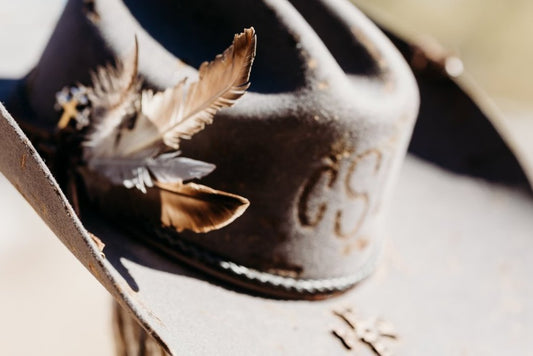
132 137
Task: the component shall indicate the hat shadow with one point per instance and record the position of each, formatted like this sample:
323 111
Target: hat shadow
119 254
7 86
452 130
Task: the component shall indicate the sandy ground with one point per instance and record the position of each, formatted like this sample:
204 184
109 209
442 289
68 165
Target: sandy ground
50 305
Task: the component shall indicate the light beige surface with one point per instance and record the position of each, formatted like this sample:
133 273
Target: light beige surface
49 303
492 37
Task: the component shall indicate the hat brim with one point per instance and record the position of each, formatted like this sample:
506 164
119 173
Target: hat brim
453 275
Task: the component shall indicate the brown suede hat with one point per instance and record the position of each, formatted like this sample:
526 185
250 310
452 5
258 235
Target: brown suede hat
317 146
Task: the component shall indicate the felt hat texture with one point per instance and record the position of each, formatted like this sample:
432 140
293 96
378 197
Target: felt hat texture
453 231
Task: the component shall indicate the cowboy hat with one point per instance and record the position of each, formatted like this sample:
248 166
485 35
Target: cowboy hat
176 305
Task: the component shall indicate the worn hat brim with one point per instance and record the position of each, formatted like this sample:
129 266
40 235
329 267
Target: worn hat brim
453 276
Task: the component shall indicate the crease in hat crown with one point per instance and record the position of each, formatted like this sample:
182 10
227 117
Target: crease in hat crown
315 145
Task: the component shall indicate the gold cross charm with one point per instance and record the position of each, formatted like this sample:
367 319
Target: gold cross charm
68 100
69 112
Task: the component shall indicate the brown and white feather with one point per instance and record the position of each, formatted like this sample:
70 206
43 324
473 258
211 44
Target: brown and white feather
134 136
114 96
182 111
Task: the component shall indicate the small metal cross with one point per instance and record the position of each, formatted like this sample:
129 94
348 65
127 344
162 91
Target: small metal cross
68 100
371 331
69 112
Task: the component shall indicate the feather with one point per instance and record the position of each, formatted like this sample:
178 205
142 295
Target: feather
114 97
131 129
198 208
133 137
182 111
165 168
179 206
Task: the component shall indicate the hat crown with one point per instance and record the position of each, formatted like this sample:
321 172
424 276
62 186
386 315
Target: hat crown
314 145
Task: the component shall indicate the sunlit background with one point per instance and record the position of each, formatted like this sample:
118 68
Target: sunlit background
494 38
50 305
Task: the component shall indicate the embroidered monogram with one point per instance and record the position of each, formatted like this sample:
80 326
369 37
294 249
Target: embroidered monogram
357 177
